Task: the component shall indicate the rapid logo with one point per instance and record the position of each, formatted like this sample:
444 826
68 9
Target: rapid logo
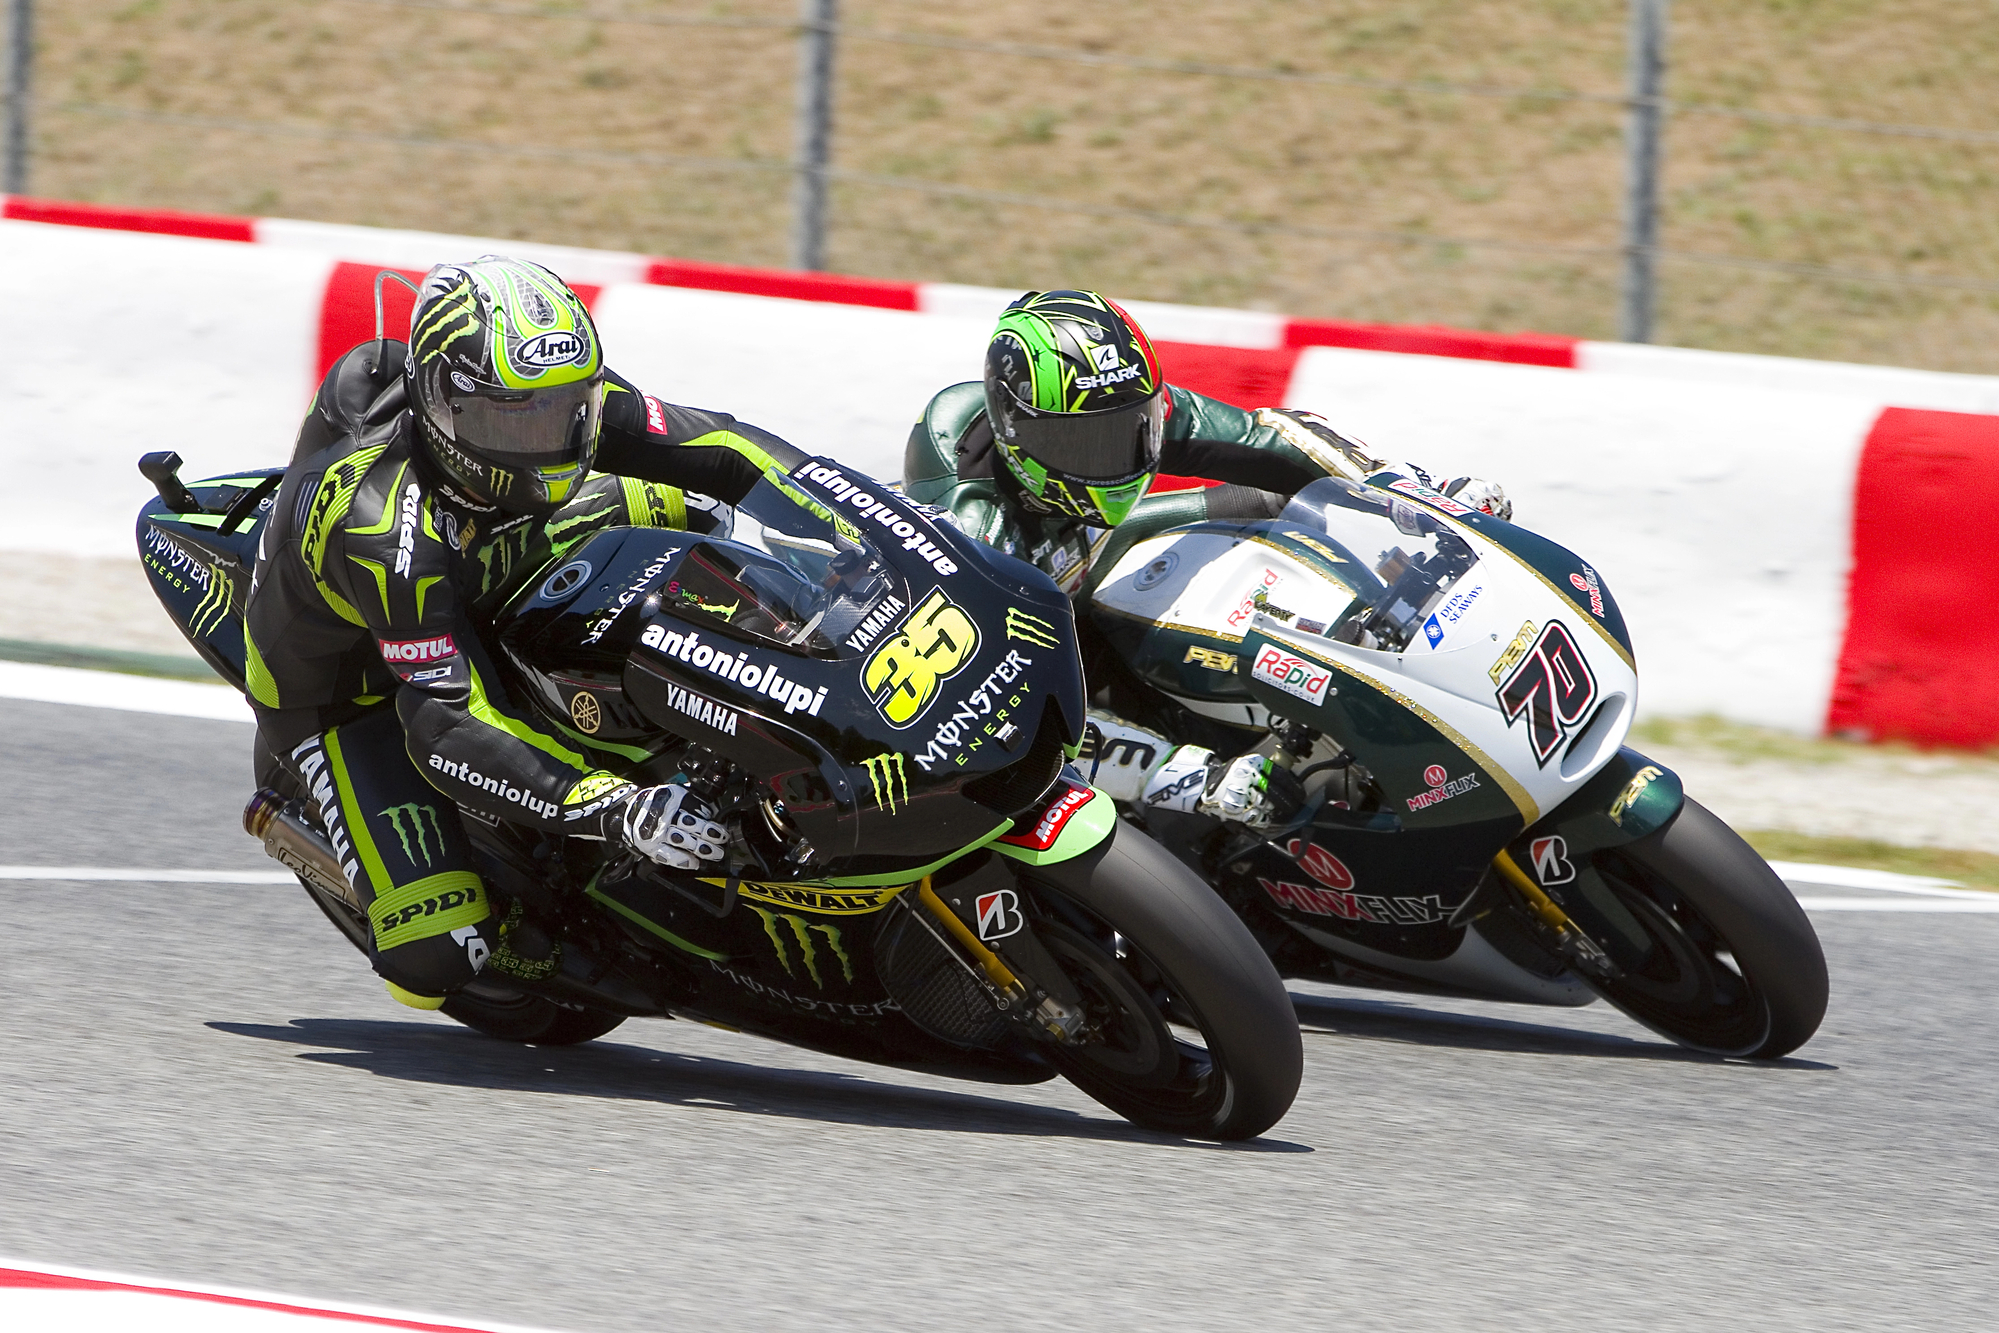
1292 674
1031 630
902 675
415 814
1551 687
1052 821
999 915
1435 499
883 771
1442 788
1320 864
864 504
737 670
1368 907
1247 608
1551 861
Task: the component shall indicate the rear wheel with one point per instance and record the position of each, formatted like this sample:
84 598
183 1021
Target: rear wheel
1725 960
496 1010
1195 1033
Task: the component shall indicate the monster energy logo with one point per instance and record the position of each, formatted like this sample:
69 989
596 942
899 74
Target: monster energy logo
214 603
801 932
395 815
883 772
1030 629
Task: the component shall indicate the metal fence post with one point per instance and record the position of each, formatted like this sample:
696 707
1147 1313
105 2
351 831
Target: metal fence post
20 63
815 132
1644 128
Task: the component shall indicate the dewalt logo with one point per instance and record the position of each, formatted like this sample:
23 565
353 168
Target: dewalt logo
819 901
805 938
884 770
408 822
1030 629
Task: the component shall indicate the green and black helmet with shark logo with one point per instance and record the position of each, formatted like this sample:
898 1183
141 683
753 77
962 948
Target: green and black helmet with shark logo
508 378
1077 405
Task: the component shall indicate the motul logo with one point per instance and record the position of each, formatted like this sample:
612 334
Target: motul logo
1049 827
418 650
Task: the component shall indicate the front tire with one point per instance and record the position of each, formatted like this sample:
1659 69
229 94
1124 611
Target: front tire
1734 967
1197 1035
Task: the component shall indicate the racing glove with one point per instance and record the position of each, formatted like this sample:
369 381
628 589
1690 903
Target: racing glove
670 825
1488 497
1253 790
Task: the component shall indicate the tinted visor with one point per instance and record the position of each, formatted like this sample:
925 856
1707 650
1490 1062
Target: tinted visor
1095 447
530 427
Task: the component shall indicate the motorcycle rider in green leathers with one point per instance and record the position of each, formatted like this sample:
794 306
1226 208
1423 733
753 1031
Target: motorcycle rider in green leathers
1050 459
421 492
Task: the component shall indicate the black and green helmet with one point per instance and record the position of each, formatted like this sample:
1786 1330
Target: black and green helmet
1077 405
508 379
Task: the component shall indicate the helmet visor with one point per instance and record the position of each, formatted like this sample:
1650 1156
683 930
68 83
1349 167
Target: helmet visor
1093 447
530 427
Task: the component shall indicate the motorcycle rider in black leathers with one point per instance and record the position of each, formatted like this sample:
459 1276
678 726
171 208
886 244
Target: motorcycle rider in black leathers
1050 458
425 485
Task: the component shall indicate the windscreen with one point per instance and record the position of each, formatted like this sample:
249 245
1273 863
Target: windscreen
1407 560
791 574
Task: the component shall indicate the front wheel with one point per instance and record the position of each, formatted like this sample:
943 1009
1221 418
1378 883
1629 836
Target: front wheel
1730 964
1193 1032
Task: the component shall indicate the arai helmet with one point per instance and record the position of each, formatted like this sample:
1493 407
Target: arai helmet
508 380
1077 405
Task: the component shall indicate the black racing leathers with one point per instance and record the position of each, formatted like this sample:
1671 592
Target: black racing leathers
375 576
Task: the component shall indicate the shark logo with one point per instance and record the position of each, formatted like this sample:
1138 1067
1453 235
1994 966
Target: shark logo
883 770
801 932
1030 629
396 814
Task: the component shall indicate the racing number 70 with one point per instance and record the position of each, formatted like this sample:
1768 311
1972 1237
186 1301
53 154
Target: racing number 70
1552 687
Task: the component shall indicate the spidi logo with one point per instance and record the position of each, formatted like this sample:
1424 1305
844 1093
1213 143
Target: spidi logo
406 536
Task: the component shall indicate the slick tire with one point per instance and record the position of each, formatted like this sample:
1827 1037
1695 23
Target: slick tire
1153 949
512 1015
1702 891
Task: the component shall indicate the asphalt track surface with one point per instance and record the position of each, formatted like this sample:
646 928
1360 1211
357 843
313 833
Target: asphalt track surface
203 1083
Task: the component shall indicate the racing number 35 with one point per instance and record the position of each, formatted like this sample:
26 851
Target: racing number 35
1552 688
901 676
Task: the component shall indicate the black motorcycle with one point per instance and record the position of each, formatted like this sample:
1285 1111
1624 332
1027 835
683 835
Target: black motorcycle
883 710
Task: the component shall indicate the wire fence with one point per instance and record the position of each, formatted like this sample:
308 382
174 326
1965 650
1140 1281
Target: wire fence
1342 192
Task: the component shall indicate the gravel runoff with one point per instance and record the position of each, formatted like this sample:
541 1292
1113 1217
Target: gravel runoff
1917 800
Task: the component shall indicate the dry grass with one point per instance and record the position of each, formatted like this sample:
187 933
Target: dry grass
1974 870
1534 171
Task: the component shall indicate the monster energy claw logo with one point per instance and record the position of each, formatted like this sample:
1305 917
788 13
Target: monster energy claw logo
1030 629
883 771
801 932
214 604
395 815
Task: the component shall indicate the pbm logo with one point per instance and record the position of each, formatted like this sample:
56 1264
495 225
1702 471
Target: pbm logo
901 676
1030 629
883 772
999 915
1551 861
415 836
779 925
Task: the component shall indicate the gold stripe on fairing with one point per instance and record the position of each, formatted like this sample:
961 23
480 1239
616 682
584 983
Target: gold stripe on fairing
1195 630
1514 791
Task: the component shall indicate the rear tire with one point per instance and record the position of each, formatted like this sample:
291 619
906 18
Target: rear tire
1736 968
1152 949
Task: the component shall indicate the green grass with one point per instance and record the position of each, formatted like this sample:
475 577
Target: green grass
1974 870
1742 742
105 659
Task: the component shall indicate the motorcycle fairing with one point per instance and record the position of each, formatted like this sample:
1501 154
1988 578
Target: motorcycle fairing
1072 819
201 573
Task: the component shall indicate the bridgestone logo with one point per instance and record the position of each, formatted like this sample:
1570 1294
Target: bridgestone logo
499 787
868 507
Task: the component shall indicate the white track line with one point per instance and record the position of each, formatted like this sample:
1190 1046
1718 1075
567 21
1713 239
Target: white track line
123 874
1883 881
113 689
1815 904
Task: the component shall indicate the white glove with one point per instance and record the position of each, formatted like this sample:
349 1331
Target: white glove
673 826
1179 783
1488 497
1239 795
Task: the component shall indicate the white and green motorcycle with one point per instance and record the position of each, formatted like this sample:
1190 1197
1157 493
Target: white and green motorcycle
1449 694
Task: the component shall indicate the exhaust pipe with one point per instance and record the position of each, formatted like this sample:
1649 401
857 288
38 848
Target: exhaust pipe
297 845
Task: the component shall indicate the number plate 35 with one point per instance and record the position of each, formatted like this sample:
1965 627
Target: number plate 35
901 676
